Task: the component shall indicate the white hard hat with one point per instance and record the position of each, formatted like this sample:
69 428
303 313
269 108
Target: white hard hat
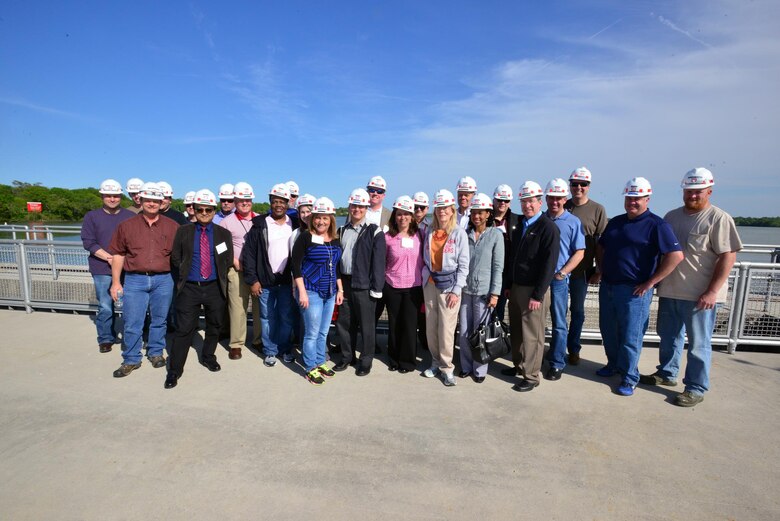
226 191
305 200
637 187
292 186
133 185
530 189
189 197
697 178
205 197
110 187
280 190
152 191
443 198
359 197
503 193
421 199
481 202
377 182
243 190
557 188
404 203
580 174
166 188
323 205
467 184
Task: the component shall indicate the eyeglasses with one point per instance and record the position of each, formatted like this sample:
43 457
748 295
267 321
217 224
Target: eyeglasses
373 190
206 210
579 184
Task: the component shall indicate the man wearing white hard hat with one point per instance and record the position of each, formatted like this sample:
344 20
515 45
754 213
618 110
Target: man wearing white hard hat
202 255
466 189
376 213
266 262
506 222
572 249
363 279
535 245
292 204
593 217
421 204
637 251
96 233
238 224
133 189
226 202
141 249
691 295
166 209
189 208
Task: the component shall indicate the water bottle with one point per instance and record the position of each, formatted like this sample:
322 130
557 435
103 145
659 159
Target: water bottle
118 304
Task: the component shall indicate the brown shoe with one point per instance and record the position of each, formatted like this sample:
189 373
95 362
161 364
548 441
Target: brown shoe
125 369
105 348
235 353
157 361
574 359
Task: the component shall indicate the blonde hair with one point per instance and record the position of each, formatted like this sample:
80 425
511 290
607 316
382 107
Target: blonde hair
450 226
332 231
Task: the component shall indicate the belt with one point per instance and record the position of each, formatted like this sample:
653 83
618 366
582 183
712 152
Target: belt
201 282
149 273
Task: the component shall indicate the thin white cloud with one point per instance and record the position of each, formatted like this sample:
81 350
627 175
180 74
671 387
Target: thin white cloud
19 102
671 25
610 26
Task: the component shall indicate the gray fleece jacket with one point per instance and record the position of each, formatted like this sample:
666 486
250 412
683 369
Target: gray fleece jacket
486 263
455 258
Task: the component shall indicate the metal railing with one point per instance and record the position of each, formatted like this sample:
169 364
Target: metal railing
53 275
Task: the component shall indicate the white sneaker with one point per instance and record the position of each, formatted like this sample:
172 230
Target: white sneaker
449 379
269 361
430 372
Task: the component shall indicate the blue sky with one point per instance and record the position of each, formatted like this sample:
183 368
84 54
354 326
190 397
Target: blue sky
422 93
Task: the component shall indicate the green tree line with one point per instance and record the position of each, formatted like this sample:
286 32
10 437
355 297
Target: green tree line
772 222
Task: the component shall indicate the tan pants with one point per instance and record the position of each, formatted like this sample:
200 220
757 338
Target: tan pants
238 302
440 322
527 331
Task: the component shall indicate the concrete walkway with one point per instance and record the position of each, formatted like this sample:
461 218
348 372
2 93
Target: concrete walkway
257 443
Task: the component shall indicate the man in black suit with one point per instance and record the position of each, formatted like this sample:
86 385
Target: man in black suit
202 252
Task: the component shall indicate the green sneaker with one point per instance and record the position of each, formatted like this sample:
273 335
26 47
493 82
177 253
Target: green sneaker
688 399
657 379
326 371
314 377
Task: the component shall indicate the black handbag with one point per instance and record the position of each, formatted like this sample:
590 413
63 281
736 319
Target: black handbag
490 340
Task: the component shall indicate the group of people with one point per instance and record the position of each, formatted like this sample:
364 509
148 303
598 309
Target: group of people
474 260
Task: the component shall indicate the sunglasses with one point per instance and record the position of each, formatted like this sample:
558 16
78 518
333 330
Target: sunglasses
226 200
379 191
580 184
417 208
293 196
206 210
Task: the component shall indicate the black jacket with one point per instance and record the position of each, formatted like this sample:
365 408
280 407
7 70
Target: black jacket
512 220
368 259
184 245
176 216
534 255
254 255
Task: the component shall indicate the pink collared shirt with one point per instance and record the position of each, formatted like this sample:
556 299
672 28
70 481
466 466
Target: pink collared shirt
404 264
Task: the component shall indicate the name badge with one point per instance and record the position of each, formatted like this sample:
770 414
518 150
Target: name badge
407 242
221 248
317 239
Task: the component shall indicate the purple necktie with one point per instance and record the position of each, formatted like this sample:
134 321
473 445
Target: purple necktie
205 256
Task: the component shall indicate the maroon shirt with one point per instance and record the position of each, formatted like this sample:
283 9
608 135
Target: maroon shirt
145 248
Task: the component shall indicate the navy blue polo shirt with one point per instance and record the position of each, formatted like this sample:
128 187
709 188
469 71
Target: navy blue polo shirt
633 247
194 275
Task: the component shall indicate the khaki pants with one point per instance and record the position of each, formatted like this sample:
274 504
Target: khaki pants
238 302
527 331
440 322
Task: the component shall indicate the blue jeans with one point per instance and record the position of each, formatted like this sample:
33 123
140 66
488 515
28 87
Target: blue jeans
578 289
675 317
472 310
104 320
559 301
276 319
316 324
623 319
142 292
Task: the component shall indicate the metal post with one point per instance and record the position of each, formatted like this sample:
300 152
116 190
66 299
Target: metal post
737 311
24 276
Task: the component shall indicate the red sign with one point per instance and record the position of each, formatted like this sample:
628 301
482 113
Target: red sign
34 207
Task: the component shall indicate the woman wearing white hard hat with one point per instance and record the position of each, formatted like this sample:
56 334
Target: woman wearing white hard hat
483 283
403 285
315 270
189 209
446 257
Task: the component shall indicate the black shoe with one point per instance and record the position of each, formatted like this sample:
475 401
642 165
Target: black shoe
353 362
524 386
510 371
341 366
478 379
403 370
553 374
212 366
171 380
392 367
574 359
464 374
362 371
